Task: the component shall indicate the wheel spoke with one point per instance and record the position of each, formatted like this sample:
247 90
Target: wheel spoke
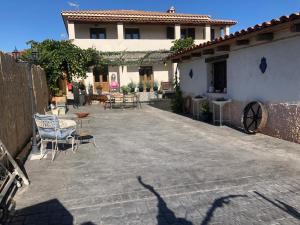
252 110
250 124
258 110
255 124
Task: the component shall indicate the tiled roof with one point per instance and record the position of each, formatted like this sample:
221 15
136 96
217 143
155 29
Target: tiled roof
256 28
136 16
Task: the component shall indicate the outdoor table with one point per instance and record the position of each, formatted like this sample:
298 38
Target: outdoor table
221 104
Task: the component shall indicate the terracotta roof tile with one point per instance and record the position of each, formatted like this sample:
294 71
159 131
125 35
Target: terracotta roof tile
257 27
136 16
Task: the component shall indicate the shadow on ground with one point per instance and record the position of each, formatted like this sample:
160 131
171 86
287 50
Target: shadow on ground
281 205
53 212
49 212
167 216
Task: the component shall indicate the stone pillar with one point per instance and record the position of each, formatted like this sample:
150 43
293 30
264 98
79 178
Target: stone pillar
120 31
207 32
177 31
71 30
226 30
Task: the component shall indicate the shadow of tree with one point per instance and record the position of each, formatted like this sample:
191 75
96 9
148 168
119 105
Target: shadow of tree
281 205
165 215
218 203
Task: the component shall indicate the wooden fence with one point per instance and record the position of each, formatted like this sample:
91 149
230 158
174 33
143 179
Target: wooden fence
15 101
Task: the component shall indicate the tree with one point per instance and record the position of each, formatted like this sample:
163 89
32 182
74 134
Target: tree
62 60
181 44
177 101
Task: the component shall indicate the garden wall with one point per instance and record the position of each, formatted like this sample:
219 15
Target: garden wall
15 101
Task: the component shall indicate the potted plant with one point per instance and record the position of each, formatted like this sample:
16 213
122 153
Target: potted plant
148 86
141 87
125 89
131 87
206 115
159 94
155 86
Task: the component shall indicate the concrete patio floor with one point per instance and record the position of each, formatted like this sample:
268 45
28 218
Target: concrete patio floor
155 167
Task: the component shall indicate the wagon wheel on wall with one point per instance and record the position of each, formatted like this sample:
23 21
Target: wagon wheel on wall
254 117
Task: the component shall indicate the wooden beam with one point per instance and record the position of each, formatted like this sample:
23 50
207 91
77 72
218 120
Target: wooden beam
208 52
265 36
196 54
216 58
243 42
186 57
176 60
223 48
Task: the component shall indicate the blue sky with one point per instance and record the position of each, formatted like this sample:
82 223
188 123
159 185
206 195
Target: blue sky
23 20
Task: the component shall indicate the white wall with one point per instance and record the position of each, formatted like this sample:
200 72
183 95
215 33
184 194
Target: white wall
245 81
280 82
131 73
161 73
198 84
82 31
153 37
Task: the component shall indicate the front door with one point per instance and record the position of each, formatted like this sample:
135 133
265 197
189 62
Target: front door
101 78
146 76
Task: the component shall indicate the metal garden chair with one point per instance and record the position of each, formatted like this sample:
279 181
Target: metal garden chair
53 130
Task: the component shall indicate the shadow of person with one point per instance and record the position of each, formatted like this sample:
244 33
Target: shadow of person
281 205
218 203
165 215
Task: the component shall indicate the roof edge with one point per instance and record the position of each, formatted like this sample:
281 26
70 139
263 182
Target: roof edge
240 33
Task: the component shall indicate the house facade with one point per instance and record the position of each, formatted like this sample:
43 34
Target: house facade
145 37
260 63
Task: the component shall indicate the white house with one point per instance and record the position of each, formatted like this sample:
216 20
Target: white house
260 63
138 35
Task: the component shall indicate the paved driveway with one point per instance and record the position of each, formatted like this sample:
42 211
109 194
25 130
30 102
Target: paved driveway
155 167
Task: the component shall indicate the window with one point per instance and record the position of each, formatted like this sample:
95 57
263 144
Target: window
220 76
188 32
212 34
170 33
132 33
98 33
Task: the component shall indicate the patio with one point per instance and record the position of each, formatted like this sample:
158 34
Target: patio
155 167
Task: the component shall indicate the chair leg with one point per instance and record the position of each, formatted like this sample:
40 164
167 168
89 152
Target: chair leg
73 143
54 149
41 148
94 142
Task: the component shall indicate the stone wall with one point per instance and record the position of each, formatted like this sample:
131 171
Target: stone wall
283 119
15 101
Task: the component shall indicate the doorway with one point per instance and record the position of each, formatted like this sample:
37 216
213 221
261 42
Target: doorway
220 76
101 78
146 76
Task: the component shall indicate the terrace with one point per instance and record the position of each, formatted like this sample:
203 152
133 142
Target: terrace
155 167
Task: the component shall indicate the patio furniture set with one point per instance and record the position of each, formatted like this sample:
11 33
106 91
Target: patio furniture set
122 100
61 130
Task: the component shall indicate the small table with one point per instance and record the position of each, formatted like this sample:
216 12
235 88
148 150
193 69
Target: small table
221 104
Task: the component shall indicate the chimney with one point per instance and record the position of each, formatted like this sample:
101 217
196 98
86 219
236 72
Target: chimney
171 10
